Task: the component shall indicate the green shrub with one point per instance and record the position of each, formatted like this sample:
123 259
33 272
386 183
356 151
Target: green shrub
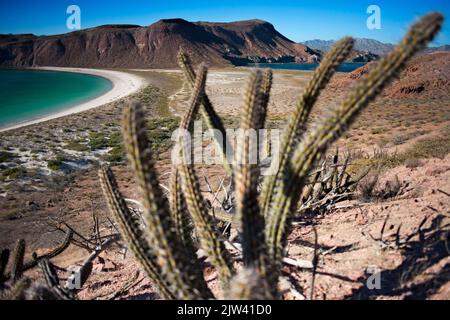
116 154
14 173
55 164
115 139
97 140
160 132
6 156
76 145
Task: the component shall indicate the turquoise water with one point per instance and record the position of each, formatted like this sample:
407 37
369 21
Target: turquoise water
345 67
29 94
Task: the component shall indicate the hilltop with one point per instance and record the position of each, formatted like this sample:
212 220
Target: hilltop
156 46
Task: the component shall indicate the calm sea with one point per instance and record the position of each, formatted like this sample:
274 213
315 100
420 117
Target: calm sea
345 67
28 94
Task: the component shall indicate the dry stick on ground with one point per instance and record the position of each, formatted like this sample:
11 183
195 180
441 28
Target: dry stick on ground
85 269
315 263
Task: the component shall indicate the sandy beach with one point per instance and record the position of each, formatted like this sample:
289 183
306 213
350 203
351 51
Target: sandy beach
123 85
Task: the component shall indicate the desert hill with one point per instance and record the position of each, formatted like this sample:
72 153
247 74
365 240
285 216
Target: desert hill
427 75
155 46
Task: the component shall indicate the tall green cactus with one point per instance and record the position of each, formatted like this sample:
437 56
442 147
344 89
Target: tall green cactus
165 249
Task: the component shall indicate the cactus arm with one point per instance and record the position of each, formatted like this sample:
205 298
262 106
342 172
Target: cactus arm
209 115
4 258
132 233
266 86
247 174
297 125
178 208
56 251
175 264
203 223
248 284
246 181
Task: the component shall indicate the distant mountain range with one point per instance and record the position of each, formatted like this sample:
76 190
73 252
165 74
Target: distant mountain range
366 45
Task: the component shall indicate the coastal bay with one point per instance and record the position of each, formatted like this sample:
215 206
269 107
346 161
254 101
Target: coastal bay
70 90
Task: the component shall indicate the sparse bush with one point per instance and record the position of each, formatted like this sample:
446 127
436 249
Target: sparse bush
160 132
391 188
434 147
77 145
97 140
6 156
14 172
402 138
376 130
55 164
116 154
115 139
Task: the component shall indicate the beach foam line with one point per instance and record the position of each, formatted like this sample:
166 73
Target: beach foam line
123 84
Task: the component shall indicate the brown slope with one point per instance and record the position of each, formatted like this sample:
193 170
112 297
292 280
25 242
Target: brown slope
155 46
427 75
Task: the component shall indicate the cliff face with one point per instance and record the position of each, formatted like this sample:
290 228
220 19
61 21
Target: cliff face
155 46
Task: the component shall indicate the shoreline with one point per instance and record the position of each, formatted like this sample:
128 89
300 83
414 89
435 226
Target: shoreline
123 84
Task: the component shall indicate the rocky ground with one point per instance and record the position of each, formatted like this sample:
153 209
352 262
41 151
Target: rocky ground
48 178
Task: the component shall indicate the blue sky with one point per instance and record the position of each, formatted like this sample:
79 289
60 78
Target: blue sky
299 20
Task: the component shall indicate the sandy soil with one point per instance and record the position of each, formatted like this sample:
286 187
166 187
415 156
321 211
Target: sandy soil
124 84
226 88
351 245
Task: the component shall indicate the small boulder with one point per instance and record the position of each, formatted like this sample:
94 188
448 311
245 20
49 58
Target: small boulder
435 171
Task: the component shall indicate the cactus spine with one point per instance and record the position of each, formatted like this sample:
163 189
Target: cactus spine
4 258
